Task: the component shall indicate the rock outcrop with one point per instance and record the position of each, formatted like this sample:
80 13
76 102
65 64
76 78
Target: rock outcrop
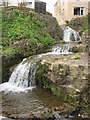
65 76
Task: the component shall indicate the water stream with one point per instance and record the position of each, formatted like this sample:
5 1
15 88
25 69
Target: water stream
37 103
23 77
70 34
21 97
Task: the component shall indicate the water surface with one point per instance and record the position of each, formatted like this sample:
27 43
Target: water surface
37 103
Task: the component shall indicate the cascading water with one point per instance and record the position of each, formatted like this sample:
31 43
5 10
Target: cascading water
58 50
70 34
22 78
63 49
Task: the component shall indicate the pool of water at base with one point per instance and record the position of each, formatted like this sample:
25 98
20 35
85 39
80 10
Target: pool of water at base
39 103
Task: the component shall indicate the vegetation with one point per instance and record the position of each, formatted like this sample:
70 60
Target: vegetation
80 24
77 57
22 27
25 33
43 81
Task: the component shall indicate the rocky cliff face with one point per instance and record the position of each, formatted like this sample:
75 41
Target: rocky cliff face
66 77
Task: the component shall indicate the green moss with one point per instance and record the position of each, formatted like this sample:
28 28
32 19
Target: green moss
77 57
69 23
41 76
43 80
54 90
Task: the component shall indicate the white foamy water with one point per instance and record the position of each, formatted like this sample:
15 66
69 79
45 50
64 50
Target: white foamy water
69 34
2 118
9 87
58 50
22 78
63 49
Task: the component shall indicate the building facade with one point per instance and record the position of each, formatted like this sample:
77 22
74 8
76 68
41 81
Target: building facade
37 5
65 10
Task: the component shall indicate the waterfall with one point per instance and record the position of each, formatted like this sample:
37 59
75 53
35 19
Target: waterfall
23 76
70 34
58 50
63 49
21 79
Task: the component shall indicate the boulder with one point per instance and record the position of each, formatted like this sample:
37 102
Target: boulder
64 78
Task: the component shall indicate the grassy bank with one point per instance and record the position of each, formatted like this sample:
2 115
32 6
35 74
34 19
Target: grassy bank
80 24
21 32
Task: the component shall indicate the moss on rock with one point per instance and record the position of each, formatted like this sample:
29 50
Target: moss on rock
64 81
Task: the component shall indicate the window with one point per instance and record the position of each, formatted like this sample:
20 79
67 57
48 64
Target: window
82 11
78 11
30 4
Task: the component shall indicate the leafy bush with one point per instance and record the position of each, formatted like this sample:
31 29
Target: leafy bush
80 24
18 25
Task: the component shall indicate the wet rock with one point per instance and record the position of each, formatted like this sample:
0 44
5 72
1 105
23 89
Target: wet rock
63 77
79 48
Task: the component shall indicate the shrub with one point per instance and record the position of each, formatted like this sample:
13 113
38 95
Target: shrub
16 26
